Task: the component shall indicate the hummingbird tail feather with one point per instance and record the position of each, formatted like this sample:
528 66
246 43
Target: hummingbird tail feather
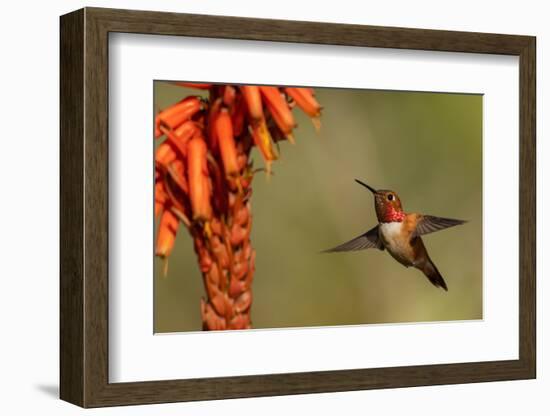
433 275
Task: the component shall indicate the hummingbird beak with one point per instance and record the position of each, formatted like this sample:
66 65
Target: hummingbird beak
366 186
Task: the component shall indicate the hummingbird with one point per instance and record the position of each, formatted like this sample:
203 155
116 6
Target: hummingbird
399 233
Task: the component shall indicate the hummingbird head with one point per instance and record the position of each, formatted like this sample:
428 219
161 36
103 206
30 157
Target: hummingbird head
387 204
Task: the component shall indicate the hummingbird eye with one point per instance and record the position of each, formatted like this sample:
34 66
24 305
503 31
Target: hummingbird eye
390 197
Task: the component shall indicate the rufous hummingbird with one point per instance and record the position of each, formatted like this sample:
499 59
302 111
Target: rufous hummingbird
399 233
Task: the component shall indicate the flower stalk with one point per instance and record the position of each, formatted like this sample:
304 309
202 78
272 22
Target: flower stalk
203 180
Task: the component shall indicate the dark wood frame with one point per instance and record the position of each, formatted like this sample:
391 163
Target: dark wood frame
84 207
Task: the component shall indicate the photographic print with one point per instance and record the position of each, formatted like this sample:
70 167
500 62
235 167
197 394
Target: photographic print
358 204
291 207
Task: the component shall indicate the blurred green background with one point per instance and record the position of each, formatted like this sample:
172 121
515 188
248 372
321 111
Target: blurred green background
427 147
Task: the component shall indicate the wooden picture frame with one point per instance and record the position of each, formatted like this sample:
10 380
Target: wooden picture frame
84 207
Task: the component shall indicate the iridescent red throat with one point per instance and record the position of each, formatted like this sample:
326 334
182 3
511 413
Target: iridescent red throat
393 215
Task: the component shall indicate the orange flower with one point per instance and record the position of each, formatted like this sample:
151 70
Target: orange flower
279 109
228 151
253 99
160 197
167 234
175 115
262 139
305 100
199 187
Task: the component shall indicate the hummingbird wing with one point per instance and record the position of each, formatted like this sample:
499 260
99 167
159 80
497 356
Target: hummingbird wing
428 224
368 240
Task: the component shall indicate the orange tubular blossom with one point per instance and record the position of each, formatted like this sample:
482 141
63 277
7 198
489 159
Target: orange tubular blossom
228 151
198 177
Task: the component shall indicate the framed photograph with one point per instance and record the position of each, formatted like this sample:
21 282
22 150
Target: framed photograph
260 207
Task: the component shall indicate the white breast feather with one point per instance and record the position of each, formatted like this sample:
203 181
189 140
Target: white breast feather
389 234
389 231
